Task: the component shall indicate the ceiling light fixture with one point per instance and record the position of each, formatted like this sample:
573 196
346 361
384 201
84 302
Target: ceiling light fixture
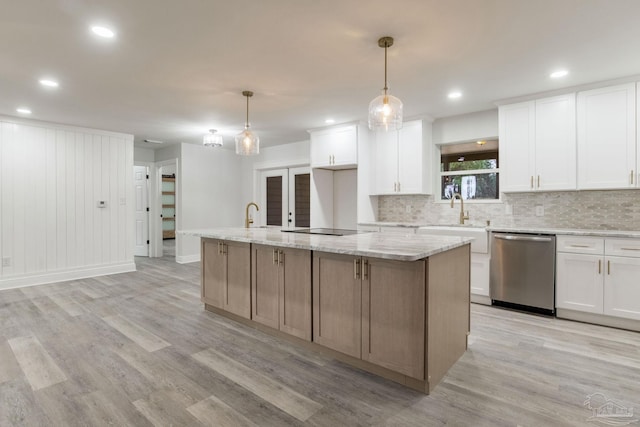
103 32
558 74
455 95
385 111
212 139
49 83
247 142
23 110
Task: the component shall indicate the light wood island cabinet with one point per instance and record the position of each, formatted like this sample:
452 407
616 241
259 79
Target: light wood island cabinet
281 289
399 309
226 276
337 302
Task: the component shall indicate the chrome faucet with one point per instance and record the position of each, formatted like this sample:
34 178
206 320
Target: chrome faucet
462 215
247 218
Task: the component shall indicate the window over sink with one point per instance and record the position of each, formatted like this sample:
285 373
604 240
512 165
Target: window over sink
470 169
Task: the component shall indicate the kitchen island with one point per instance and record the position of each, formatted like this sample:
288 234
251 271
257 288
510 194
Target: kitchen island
394 305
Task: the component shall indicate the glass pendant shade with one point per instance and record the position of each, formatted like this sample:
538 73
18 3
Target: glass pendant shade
385 112
247 143
212 139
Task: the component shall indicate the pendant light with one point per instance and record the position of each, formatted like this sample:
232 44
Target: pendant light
385 111
212 139
247 142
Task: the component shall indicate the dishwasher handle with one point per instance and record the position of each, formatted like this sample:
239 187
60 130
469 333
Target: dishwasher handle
523 238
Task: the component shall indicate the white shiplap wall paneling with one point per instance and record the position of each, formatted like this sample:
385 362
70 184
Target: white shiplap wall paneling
51 180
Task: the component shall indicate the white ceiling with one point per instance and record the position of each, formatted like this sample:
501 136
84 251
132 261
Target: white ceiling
177 68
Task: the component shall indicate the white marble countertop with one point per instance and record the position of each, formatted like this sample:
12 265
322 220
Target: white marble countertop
520 229
369 244
566 231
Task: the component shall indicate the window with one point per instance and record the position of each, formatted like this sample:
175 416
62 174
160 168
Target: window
470 169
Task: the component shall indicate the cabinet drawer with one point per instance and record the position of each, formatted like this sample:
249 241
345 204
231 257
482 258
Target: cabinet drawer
580 244
623 247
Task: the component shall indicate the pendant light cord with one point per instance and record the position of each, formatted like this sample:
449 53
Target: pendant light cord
246 123
385 67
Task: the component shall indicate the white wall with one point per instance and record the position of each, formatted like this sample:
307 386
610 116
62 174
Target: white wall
466 127
51 179
143 155
209 185
345 202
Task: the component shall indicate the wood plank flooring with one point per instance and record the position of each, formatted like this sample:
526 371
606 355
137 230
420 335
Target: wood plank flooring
137 349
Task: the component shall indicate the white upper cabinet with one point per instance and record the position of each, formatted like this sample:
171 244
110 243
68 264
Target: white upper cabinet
538 145
335 147
607 138
402 161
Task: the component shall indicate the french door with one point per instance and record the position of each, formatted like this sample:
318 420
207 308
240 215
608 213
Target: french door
285 197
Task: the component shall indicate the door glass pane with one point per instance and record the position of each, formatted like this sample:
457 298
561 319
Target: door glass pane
274 200
302 200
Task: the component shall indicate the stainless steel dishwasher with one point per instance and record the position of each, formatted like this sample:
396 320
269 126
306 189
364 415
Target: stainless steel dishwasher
522 271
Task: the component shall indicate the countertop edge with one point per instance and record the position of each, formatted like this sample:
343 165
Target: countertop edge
391 251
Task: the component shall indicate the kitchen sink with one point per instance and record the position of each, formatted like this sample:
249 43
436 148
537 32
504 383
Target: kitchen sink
480 244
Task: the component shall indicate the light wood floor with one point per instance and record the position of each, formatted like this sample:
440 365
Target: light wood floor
138 349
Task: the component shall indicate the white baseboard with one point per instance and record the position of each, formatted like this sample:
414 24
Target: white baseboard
480 299
598 319
65 275
185 259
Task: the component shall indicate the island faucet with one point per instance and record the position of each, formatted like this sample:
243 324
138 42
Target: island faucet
247 218
462 215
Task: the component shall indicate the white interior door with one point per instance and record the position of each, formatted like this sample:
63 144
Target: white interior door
299 197
140 179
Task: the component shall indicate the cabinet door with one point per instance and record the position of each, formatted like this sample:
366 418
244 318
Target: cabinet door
517 137
237 298
295 292
579 282
213 273
622 287
411 159
386 173
345 146
337 296
393 309
555 143
264 285
607 137
336 146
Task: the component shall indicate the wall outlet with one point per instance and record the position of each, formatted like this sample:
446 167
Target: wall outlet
539 210
407 209
6 262
508 209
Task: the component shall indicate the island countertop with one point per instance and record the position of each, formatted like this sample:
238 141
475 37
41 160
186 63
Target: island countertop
369 244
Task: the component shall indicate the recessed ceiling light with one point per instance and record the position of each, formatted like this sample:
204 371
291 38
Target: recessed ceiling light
330 121
454 95
105 32
23 110
49 83
558 74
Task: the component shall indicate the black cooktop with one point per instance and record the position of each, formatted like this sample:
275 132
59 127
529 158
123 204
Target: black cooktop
324 231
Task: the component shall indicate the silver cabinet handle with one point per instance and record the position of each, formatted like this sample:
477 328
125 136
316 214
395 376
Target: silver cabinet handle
280 258
579 246
356 268
523 238
538 181
399 190
631 177
599 266
365 269
608 267
630 249
532 182
275 257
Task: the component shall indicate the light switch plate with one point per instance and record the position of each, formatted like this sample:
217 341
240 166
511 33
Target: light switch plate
508 209
539 210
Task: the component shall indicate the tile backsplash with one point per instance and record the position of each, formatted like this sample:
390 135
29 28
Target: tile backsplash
605 210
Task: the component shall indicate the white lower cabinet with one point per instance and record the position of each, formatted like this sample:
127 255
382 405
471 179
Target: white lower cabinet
480 276
591 276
